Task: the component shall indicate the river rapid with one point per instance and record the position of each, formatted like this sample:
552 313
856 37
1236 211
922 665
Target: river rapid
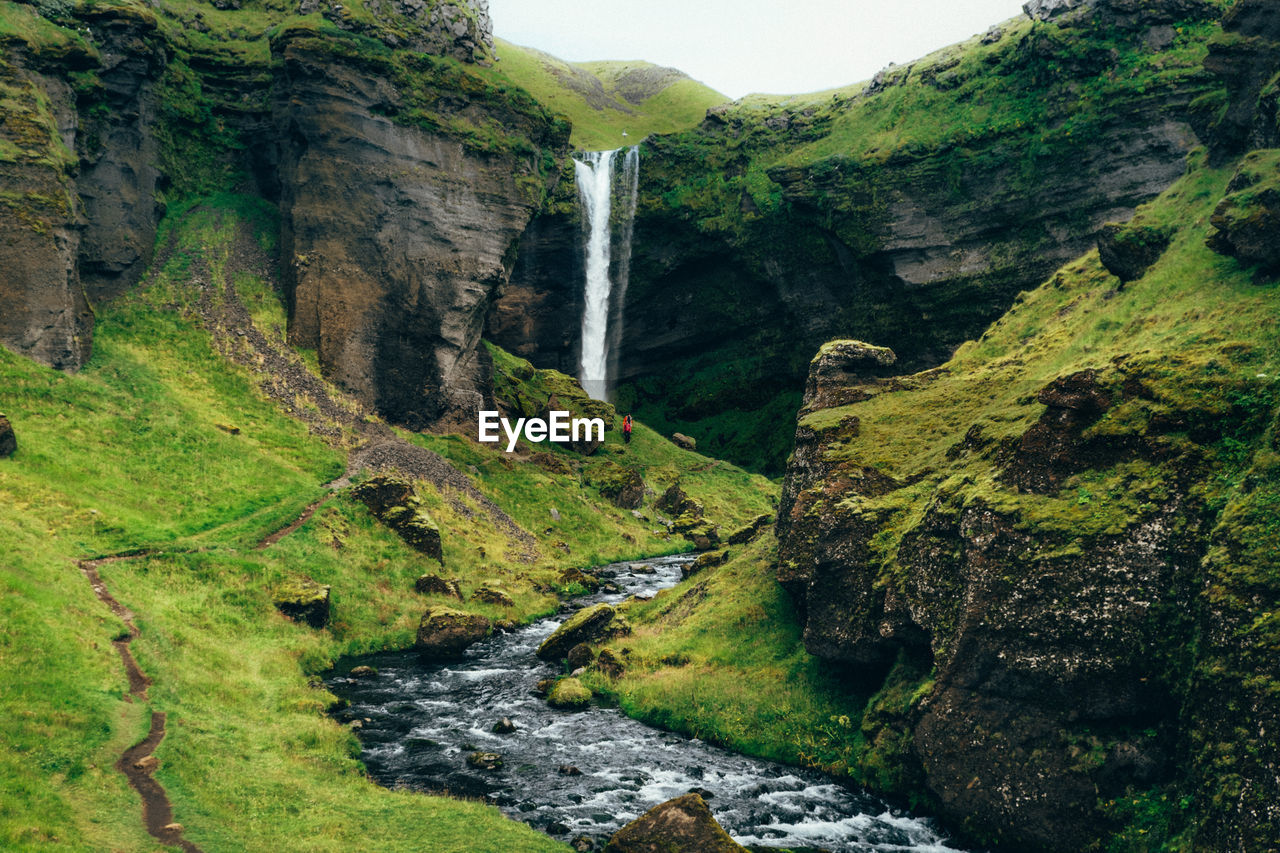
588 773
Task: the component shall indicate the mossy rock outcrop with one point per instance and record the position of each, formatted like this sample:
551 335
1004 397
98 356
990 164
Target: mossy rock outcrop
446 633
436 585
590 623
1247 220
1129 250
675 502
683 825
492 595
303 600
569 694
527 392
621 486
393 501
753 529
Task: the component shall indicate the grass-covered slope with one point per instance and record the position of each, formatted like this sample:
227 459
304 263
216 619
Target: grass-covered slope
192 434
1190 352
605 100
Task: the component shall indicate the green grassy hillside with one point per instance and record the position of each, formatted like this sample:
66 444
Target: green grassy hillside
604 100
181 439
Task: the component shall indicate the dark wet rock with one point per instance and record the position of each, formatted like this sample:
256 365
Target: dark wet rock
445 633
8 439
1246 60
556 827
580 656
303 600
493 595
393 502
753 529
569 770
1128 250
590 623
679 439
702 792
504 726
684 824
362 672
485 760
569 694
642 569
436 585
609 664
582 844
543 687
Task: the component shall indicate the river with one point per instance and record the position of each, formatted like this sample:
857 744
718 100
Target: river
420 722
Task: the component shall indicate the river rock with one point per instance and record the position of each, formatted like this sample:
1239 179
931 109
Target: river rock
642 569
679 439
393 502
569 770
362 672
8 440
303 600
589 623
446 633
485 760
504 726
684 825
569 694
582 844
436 585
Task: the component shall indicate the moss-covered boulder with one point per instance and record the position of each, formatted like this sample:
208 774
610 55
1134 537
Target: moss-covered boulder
675 502
569 694
580 656
485 760
436 585
753 529
682 825
706 560
589 623
303 600
445 633
488 594
571 578
1128 250
703 533
393 502
8 440
621 486
683 441
1247 220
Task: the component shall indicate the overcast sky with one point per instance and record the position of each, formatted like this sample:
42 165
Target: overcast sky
744 46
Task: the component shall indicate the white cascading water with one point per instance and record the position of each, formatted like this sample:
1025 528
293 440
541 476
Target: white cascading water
594 174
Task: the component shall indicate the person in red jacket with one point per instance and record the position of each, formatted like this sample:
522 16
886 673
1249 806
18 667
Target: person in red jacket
626 429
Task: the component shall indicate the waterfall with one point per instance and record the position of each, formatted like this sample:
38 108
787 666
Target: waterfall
606 271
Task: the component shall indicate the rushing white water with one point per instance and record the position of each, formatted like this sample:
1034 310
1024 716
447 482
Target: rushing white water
606 275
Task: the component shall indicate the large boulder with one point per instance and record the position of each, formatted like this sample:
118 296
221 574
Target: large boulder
303 600
8 441
589 623
1129 250
436 585
840 370
446 633
682 825
393 502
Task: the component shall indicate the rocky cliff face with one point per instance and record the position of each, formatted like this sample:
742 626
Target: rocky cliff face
396 236
1060 540
772 229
